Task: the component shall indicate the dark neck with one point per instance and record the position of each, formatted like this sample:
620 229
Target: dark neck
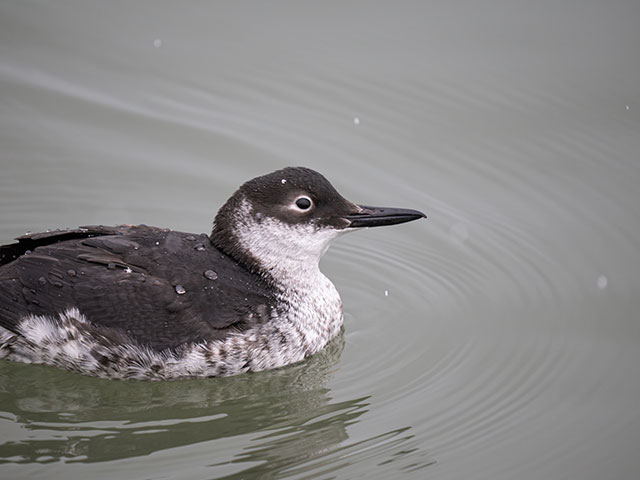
224 239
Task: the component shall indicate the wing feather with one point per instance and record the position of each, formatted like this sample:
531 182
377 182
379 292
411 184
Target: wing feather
145 282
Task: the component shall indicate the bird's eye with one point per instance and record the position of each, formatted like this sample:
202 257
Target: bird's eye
304 203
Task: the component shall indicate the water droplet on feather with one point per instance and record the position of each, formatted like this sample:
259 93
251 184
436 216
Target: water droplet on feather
211 275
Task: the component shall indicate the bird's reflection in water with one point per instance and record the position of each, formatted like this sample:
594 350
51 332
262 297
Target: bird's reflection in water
288 415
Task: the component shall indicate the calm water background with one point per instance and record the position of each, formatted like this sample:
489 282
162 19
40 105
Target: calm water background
499 339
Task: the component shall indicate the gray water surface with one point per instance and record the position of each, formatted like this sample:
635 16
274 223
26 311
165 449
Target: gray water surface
499 339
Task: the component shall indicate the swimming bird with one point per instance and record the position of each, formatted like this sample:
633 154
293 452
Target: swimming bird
150 303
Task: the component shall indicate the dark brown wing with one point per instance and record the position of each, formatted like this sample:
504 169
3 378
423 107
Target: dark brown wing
29 242
160 287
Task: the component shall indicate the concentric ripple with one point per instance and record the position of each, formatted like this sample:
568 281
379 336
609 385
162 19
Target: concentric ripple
496 339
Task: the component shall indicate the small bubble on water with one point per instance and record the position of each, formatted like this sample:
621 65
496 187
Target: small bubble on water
356 121
602 282
627 107
180 290
157 43
386 293
210 274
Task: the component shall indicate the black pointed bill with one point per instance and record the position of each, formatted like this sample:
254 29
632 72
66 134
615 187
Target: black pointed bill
380 216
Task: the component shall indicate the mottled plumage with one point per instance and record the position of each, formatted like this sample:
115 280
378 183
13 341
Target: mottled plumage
150 303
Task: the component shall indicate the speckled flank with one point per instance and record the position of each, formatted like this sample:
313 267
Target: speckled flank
71 342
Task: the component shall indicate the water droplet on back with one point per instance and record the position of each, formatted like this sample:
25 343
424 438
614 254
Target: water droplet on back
180 290
210 274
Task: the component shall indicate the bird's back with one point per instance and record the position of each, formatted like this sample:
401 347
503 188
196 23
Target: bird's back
160 288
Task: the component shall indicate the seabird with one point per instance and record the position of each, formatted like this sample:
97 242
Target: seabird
151 303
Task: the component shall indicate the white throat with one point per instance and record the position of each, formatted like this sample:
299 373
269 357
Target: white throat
289 253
